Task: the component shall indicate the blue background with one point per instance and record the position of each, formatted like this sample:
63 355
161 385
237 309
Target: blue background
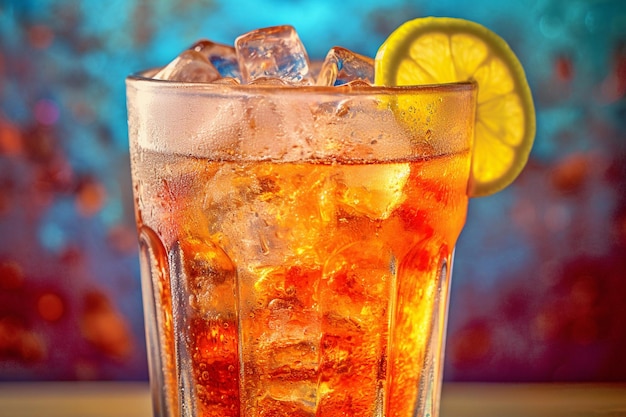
539 284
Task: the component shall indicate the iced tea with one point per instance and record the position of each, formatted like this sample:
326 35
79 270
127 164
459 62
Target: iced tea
296 254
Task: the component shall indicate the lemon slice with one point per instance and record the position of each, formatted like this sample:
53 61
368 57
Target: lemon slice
436 50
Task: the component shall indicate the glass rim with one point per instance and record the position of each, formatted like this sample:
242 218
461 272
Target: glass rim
141 78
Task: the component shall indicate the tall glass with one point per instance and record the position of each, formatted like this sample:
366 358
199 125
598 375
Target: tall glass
297 243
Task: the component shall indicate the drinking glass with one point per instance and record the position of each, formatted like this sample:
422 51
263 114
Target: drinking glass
296 243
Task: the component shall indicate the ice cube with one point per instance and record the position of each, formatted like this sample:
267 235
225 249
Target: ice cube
223 57
227 81
208 274
374 190
279 125
189 66
342 66
273 52
268 81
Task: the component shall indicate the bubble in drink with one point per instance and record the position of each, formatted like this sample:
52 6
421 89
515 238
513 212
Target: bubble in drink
342 66
189 66
223 57
274 52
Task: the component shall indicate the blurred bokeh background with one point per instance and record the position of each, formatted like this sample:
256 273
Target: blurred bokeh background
539 286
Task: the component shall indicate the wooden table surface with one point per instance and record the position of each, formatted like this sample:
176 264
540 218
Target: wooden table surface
102 399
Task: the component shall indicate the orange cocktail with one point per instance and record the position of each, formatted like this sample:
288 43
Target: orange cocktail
295 279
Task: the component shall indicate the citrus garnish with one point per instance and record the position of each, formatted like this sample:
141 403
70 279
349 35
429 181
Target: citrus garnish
436 50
